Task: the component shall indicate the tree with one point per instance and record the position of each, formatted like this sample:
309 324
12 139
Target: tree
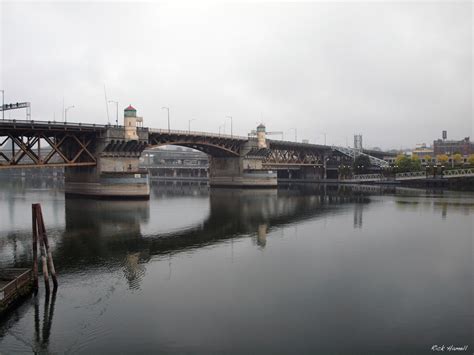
442 158
457 158
361 164
415 163
471 159
403 163
428 159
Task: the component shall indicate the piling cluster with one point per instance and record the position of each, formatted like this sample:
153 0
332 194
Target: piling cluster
40 238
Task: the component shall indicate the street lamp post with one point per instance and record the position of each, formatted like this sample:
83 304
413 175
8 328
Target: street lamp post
116 111
296 134
3 104
189 124
231 134
167 109
65 112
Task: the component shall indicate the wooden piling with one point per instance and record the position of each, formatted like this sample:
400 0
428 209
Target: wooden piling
35 248
46 244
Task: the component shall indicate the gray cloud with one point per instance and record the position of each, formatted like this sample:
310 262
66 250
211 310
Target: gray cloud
399 73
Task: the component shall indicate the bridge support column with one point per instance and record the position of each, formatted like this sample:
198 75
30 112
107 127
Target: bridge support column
116 174
239 172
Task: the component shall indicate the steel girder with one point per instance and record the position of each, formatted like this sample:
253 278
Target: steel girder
32 148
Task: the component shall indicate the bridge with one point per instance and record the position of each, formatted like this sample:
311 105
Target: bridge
414 175
102 160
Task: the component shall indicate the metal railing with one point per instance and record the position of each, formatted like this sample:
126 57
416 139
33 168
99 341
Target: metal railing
410 175
56 123
458 172
367 177
196 133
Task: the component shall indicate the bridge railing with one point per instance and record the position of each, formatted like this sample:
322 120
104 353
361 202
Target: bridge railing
410 174
367 177
196 133
459 172
57 123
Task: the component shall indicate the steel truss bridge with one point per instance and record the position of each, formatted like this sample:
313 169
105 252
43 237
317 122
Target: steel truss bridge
414 175
23 144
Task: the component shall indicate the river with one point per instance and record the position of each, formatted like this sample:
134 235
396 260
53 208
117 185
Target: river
320 269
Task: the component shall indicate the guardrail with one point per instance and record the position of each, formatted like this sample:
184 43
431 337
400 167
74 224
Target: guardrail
367 177
196 133
56 123
410 175
458 172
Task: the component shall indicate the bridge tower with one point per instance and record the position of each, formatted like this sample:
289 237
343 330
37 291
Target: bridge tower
261 136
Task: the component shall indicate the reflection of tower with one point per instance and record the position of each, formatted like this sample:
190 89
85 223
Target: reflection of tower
261 136
133 270
358 215
444 211
262 235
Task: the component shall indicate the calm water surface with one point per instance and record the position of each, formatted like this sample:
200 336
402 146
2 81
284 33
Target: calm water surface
309 269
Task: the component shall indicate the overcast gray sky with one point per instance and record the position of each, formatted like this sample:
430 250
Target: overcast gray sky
399 73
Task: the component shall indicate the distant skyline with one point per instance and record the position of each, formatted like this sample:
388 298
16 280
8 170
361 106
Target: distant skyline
398 73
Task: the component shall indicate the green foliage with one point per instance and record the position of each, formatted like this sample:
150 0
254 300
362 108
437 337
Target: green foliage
404 164
471 159
361 164
442 158
457 158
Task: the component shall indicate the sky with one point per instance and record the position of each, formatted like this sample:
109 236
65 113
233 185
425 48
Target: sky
396 72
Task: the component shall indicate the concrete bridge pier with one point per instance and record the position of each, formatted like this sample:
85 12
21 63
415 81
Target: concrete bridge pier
116 175
240 172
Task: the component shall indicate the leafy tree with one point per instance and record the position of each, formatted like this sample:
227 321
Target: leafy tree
442 158
428 158
415 163
361 164
457 158
471 159
404 164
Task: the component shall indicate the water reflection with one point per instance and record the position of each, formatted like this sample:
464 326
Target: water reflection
213 255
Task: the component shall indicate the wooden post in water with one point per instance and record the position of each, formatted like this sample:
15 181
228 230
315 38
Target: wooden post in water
44 238
43 260
35 248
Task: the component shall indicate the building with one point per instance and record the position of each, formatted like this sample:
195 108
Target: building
422 151
449 147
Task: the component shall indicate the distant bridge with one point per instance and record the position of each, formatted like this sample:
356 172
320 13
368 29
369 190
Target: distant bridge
414 175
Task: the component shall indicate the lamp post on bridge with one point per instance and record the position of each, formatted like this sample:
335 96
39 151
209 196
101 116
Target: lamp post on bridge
189 124
230 125
167 109
116 111
3 104
296 133
65 112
